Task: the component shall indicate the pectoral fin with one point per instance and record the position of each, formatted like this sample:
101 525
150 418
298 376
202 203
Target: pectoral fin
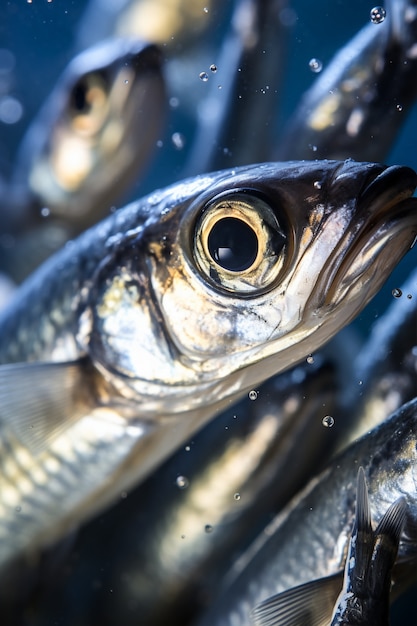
38 401
310 604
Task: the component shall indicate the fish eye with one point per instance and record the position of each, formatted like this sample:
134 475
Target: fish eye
232 244
239 244
88 103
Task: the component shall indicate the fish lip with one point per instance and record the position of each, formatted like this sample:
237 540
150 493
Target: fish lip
387 189
386 211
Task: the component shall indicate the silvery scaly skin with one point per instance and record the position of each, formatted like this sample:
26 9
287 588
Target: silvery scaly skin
91 139
365 584
309 540
358 103
110 362
203 505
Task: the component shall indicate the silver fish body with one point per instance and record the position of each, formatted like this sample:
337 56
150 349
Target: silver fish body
107 364
92 137
309 539
364 597
203 505
386 365
360 100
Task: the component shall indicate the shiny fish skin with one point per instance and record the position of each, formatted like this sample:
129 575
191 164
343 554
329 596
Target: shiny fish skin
365 594
114 385
91 139
181 546
308 540
358 103
386 365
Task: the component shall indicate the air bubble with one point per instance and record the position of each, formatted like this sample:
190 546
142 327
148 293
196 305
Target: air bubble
203 76
397 293
182 482
317 184
399 107
208 528
213 68
409 296
174 102
327 421
206 9
18 509
178 140
45 212
237 496
253 395
310 359
315 65
377 15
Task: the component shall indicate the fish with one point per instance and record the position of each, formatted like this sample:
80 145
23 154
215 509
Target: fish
212 495
106 365
169 23
367 578
358 103
234 122
309 539
90 140
386 365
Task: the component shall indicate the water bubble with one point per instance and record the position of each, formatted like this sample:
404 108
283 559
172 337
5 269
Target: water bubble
310 359
317 184
399 107
203 76
187 448
178 140
315 65
182 482
206 9
377 15
409 296
253 394
237 496
126 82
327 421
312 147
213 68
208 528
11 110
397 293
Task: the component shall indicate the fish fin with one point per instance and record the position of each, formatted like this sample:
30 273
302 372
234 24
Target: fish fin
363 511
393 520
39 400
299 606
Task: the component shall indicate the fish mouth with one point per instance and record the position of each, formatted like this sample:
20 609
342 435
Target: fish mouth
386 229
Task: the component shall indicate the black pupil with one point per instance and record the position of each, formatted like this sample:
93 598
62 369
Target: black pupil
79 96
233 244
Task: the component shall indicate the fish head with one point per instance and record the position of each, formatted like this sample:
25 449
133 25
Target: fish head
248 276
97 129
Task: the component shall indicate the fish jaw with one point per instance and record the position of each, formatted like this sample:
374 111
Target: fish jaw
177 329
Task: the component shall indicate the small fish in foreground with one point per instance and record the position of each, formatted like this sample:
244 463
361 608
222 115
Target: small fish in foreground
309 539
364 599
123 345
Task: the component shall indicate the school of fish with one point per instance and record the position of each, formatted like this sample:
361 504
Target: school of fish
185 418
